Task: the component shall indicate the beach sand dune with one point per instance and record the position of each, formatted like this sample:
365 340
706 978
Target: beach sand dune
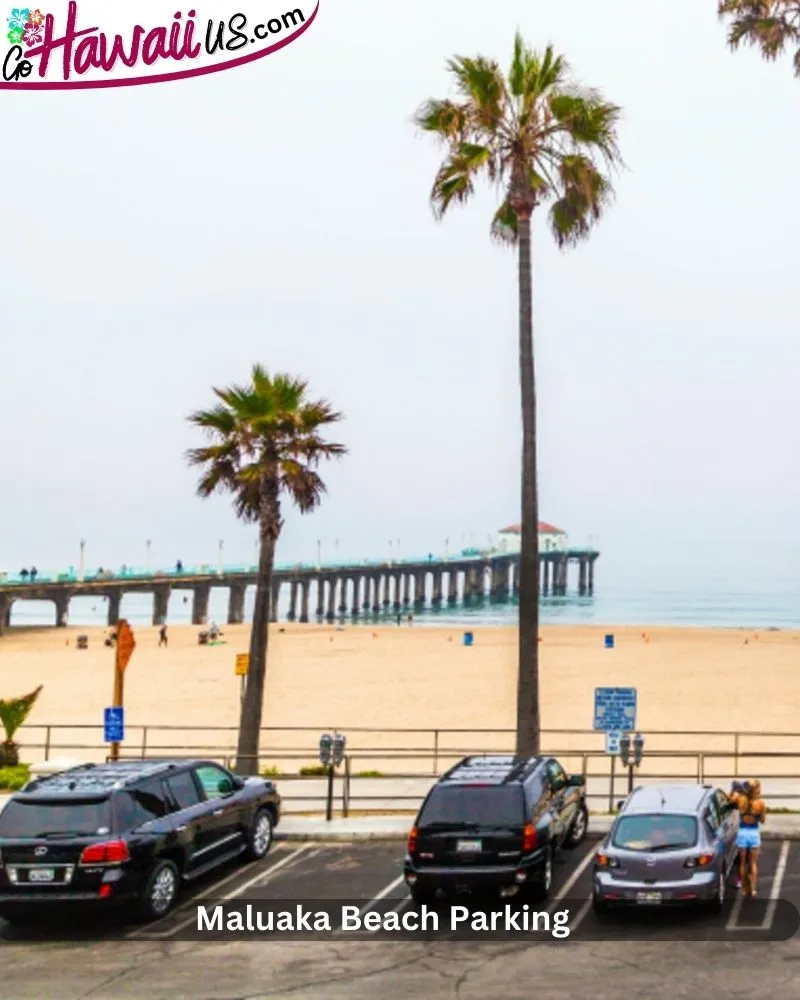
418 679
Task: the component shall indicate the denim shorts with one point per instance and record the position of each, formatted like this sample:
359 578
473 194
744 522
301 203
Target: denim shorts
748 837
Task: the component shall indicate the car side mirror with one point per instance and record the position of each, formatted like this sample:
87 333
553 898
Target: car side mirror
225 786
576 780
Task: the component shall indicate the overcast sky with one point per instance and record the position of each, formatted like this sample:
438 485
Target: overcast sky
158 240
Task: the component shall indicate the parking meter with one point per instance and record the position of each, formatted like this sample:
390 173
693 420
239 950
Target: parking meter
625 749
325 748
638 748
338 749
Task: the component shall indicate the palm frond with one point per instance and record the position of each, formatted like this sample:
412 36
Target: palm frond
769 25
14 711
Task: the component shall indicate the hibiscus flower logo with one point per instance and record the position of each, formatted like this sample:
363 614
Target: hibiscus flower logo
36 17
19 18
33 34
15 36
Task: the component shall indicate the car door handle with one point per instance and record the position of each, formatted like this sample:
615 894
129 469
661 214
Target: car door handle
218 812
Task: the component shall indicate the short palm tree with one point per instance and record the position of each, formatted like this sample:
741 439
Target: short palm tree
266 445
771 25
13 713
543 141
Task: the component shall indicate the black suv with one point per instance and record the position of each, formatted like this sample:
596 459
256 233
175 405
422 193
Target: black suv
127 832
495 823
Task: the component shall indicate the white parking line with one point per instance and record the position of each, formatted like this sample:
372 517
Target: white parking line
775 888
567 886
575 924
263 876
774 893
375 899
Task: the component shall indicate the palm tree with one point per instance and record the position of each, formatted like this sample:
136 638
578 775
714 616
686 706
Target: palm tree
543 141
772 25
13 712
266 446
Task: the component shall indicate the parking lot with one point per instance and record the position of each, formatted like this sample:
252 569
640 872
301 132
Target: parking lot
122 960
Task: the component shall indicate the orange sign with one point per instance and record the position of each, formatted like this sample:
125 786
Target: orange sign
125 644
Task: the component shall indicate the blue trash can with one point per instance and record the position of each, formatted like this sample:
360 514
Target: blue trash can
609 643
468 637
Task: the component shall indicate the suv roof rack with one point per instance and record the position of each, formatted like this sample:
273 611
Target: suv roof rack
491 768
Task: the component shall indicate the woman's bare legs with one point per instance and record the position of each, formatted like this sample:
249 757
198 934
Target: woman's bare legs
753 872
744 871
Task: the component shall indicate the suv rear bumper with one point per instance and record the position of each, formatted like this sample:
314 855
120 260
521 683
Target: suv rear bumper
529 869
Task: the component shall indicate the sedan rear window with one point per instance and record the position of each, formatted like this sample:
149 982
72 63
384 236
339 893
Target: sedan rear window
654 833
79 818
472 805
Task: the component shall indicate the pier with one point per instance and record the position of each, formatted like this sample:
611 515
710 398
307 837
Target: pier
321 592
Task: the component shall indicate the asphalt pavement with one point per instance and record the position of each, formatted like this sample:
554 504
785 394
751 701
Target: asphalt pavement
681 953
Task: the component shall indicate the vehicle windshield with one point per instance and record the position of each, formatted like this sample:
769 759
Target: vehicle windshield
470 805
655 833
81 818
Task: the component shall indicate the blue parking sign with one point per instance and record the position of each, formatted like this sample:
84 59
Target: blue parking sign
114 725
614 709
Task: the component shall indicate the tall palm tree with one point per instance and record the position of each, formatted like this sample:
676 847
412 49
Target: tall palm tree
543 141
13 712
266 446
771 25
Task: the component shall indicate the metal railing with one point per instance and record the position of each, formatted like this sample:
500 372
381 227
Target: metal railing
390 769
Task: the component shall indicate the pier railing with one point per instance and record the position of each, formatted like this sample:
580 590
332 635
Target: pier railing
392 769
134 573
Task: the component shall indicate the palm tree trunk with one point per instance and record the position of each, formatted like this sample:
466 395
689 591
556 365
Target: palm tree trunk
253 702
528 672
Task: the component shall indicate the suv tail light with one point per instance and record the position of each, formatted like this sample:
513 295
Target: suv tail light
699 861
529 838
113 852
412 841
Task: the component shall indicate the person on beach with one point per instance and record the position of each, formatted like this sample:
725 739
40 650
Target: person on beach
752 813
162 636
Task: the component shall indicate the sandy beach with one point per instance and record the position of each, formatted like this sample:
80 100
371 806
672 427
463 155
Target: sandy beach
321 677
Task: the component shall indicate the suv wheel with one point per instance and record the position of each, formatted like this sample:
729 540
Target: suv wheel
259 838
160 892
599 905
580 825
544 880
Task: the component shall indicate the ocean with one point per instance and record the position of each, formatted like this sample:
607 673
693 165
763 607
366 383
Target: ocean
698 586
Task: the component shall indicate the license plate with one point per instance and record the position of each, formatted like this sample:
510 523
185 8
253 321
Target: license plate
41 874
468 846
648 897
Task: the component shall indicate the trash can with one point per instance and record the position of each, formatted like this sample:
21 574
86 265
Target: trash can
609 643
82 642
468 638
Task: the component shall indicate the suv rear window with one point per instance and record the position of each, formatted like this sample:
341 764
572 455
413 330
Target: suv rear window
76 818
654 833
472 805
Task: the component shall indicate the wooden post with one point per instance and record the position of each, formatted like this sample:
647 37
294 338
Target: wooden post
117 697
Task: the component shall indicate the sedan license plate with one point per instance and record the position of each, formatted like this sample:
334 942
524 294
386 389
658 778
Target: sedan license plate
41 874
648 897
468 846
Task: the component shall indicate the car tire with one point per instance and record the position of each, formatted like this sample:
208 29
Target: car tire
580 827
600 906
543 882
259 836
716 904
160 891
422 895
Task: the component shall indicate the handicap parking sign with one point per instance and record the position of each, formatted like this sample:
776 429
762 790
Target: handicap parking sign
114 725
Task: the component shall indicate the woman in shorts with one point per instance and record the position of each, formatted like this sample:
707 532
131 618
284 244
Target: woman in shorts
752 813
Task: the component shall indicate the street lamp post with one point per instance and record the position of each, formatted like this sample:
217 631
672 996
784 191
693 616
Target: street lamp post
319 555
336 552
447 548
219 558
148 543
81 559
390 553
